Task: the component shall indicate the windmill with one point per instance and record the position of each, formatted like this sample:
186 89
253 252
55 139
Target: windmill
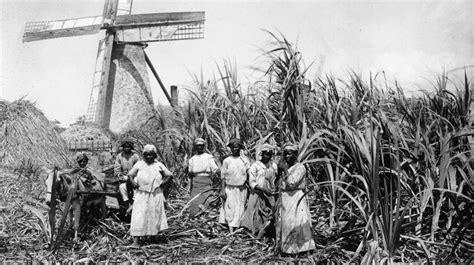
121 94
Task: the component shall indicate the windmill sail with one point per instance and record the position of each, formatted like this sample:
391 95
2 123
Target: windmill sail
62 28
99 79
160 27
161 33
124 7
96 82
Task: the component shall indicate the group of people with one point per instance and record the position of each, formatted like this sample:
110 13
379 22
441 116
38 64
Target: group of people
266 199
276 205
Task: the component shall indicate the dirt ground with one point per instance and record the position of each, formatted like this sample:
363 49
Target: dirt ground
201 239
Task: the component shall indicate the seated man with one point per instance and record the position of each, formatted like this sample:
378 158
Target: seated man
89 179
123 163
86 173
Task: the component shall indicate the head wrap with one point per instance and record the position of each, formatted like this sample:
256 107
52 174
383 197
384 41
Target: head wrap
149 148
127 140
290 147
199 141
236 141
81 156
267 148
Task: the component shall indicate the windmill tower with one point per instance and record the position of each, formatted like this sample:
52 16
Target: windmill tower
121 95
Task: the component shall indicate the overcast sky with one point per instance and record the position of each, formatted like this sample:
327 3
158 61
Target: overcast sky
408 40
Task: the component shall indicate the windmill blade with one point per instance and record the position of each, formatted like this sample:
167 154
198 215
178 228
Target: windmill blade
100 79
160 18
96 82
160 27
124 7
61 28
161 33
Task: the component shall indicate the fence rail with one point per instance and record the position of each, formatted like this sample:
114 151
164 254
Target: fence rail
93 146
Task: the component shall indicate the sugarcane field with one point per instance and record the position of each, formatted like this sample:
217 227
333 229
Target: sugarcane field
287 132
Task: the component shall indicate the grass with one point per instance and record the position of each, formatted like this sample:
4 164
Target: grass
390 175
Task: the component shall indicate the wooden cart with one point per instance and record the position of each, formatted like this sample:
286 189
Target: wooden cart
111 192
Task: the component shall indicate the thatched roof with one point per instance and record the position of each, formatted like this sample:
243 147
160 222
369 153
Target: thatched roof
28 139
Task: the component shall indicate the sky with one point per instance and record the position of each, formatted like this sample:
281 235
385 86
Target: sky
410 41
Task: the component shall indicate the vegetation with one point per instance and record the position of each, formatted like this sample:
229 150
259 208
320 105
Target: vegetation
28 140
391 175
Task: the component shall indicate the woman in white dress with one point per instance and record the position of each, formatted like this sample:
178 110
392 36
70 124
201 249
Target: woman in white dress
294 232
148 214
234 175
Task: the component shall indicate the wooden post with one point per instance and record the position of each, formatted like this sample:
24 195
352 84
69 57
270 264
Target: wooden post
52 208
108 87
174 95
158 79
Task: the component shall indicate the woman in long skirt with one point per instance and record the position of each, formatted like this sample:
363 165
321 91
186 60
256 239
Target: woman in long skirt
202 168
234 175
148 214
294 232
258 215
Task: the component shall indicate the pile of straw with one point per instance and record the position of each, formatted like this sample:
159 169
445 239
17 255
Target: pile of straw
199 240
28 139
86 132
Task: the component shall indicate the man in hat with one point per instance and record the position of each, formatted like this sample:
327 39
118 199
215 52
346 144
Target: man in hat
90 179
124 162
82 160
201 170
87 205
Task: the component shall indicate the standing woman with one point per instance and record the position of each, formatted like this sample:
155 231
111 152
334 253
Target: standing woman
234 192
294 228
259 212
201 170
148 214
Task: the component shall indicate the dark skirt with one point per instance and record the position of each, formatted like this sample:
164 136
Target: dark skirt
200 184
259 213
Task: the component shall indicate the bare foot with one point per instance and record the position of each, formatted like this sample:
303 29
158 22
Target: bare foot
129 210
135 245
136 242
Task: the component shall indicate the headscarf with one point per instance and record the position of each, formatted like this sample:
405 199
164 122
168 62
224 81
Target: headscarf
267 148
149 148
81 156
290 147
127 140
236 141
199 141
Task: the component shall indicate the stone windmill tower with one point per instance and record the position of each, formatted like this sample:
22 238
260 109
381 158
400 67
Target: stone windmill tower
121 95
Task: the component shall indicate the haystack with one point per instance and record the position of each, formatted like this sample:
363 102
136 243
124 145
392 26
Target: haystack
28 139
86 132
90 134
